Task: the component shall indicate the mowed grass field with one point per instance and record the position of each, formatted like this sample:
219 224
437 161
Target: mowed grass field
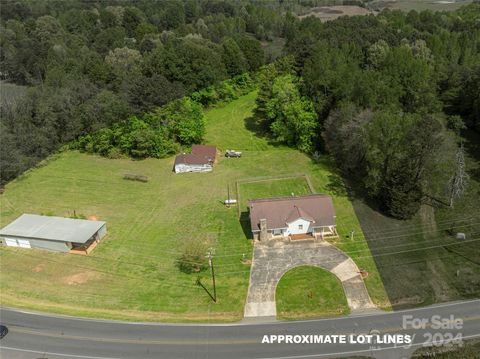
306 292
132 273
276 187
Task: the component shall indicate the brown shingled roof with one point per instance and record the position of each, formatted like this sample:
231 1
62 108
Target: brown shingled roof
191 159
205 150
201 155
280 211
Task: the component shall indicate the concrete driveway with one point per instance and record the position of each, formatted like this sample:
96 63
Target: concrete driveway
273 259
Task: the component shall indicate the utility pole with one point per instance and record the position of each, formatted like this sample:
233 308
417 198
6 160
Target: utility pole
210 263
459 181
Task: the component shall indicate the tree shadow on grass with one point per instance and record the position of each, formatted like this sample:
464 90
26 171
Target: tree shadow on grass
336 185
245 223
253 125
472 146
376 226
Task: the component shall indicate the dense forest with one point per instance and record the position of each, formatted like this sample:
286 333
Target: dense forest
90 65
386 95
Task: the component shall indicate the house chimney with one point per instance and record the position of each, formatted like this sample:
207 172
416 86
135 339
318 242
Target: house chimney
263 230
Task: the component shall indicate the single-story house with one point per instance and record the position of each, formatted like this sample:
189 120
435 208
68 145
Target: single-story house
294 217
201 159
57 234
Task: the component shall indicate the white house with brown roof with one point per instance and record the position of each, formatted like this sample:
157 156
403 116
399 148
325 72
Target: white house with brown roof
295 217
201 159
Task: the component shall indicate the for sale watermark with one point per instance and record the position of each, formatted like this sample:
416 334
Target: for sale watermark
436 330
432 331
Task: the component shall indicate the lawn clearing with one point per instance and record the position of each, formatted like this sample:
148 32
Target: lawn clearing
280 186
308 292
132 273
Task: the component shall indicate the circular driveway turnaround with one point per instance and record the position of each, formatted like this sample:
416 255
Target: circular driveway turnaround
273 259
33 336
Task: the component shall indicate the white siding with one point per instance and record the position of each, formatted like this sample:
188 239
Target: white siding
23 243
298 226
11 242
102 232
181 168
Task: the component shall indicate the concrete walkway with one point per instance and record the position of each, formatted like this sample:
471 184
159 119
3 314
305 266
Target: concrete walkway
273 259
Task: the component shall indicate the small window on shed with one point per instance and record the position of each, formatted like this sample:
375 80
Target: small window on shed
300 226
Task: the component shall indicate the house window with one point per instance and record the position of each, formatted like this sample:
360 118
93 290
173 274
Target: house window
300 226
277 232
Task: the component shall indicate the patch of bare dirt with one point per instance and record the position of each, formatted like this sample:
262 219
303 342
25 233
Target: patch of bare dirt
79 278
328 13
38 268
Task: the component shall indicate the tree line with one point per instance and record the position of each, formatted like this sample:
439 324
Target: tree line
91 65
164 130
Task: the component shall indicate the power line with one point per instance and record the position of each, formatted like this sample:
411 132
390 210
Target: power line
367 241
388 254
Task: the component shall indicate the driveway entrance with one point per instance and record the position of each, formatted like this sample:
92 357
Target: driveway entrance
274 258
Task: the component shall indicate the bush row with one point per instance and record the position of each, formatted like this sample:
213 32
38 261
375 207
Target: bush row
163 131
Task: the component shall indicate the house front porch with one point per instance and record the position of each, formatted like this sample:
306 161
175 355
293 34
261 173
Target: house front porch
302 237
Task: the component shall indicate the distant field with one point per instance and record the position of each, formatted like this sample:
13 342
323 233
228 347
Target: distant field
308 292
132 273
332 12
328 13
419 5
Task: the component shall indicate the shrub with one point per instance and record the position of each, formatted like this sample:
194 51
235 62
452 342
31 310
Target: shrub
193 259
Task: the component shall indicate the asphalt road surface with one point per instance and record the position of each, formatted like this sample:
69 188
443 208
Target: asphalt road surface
35 335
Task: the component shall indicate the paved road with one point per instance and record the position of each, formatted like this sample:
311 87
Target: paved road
41 336
273 259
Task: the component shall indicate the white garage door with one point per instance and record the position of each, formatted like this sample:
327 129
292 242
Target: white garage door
23 243
11 242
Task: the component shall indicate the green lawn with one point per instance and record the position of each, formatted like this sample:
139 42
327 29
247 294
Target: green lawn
277 187
308 292
467 349
132 273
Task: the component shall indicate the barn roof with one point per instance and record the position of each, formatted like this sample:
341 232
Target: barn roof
52 228
316 208
205 150
201 155
191 159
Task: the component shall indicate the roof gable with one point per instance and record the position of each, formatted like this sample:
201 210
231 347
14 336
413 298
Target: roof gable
297 213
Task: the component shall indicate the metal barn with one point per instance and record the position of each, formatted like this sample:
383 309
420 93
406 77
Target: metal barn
57 234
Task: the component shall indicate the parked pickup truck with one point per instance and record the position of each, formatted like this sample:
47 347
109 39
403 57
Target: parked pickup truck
232 153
